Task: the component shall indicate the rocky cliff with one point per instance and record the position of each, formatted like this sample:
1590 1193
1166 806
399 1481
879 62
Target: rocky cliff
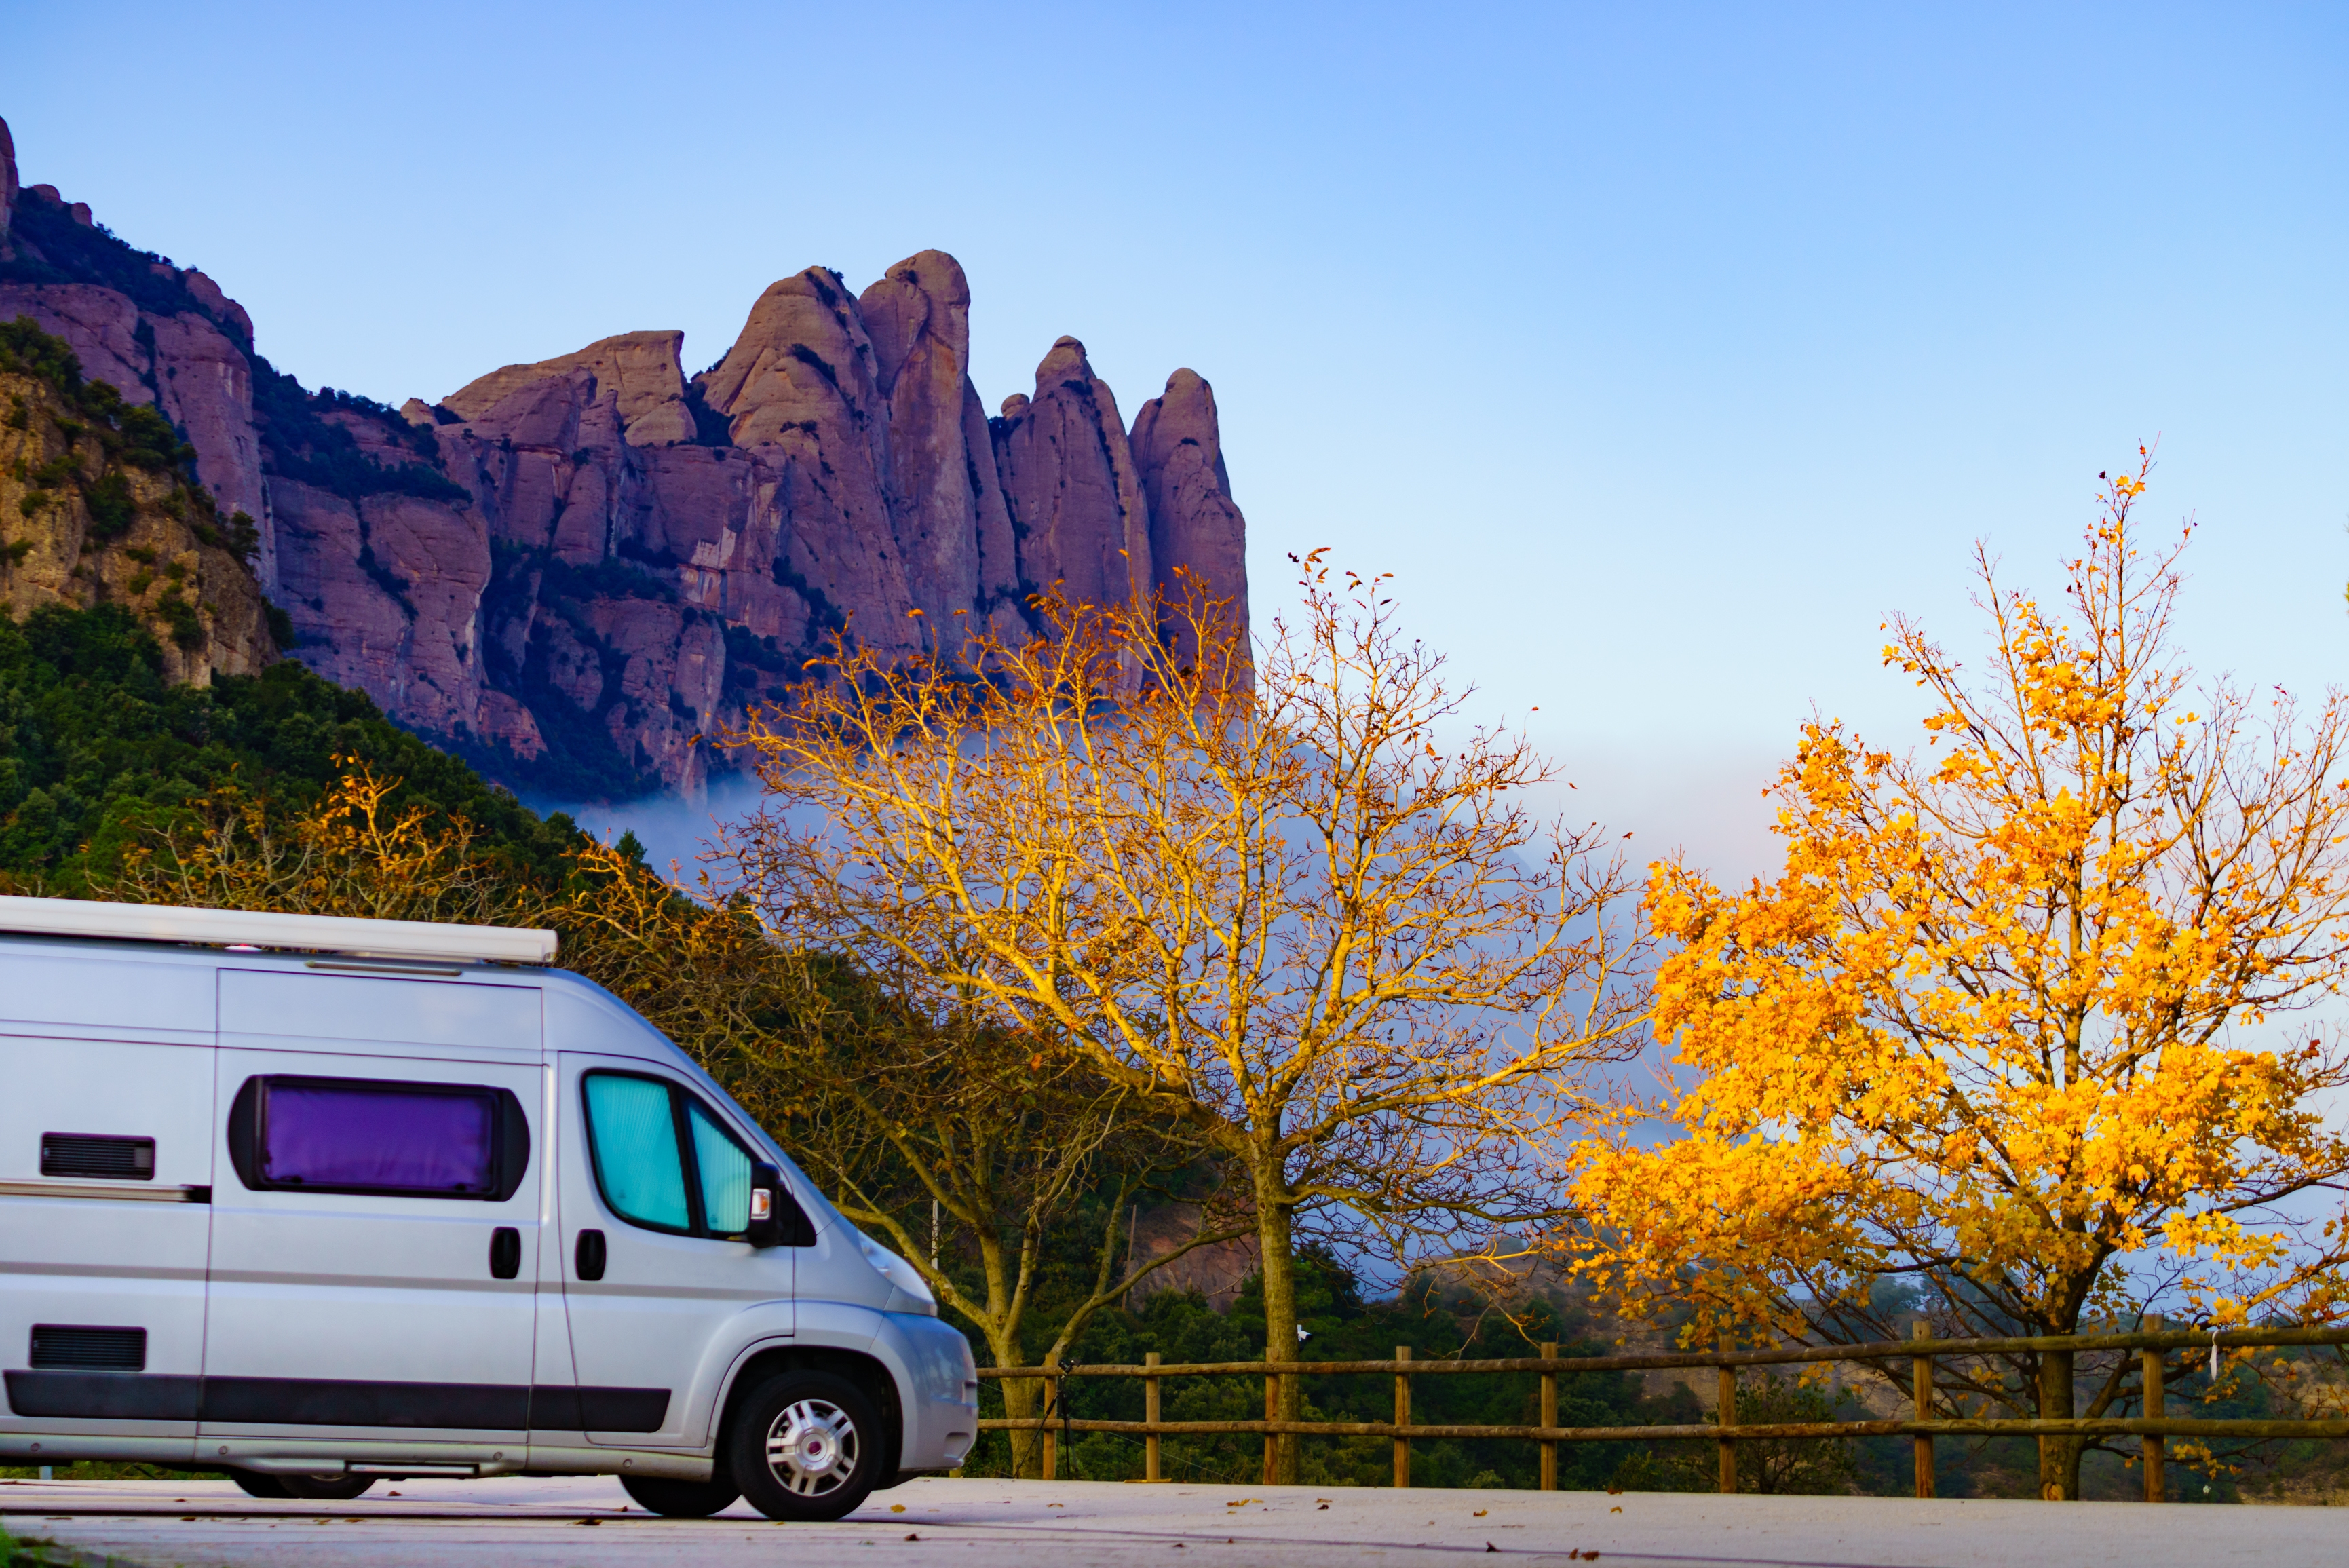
570 572
99 504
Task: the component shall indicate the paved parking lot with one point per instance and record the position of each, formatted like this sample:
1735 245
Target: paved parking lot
1029 1525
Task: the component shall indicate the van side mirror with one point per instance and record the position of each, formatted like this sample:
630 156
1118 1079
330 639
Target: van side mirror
767 1199
776 1218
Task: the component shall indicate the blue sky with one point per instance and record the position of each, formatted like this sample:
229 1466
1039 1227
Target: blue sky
1659 351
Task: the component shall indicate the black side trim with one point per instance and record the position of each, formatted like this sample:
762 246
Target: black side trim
319 1402
301 1401
244 1138
105 1395
92 1348
555 1409
799 1230
514 1144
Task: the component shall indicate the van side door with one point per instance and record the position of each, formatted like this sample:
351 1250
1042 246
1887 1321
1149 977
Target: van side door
377 1221
106 1150
659 1287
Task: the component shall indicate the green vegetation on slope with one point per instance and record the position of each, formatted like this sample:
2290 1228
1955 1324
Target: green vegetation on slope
132 434
94 746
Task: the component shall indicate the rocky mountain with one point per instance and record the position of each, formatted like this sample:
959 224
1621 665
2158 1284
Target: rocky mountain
570 572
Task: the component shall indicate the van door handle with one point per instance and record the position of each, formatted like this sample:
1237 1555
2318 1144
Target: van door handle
506 1252
587 1257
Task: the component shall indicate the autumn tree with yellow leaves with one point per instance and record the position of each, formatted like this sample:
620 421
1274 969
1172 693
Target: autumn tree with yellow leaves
2022 1025
1293 901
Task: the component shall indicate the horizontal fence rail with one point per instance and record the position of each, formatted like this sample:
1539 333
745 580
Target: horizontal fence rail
1058 1426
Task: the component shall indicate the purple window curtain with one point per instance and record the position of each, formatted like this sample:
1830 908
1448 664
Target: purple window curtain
392 1138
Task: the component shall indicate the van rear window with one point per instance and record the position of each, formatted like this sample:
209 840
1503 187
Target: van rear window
361 1135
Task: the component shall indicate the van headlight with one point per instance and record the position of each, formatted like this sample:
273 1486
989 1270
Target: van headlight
907 1291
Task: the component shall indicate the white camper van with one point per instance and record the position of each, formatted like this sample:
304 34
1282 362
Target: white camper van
323 1200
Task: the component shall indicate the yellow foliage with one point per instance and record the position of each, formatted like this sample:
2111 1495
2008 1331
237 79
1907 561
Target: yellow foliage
351 854
2016 1024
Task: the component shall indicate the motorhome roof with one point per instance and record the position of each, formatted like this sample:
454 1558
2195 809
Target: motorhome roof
308 932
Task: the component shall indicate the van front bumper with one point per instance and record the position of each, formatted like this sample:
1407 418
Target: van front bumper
941 1393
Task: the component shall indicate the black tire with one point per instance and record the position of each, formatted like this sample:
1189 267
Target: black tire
336 1488
806 1446
253 1483
681 1498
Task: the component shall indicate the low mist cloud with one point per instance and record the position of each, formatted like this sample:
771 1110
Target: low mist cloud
675 832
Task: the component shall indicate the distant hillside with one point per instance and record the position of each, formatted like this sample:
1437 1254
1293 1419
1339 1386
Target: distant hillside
568 571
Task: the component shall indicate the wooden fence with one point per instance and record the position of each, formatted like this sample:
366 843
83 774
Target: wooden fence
2154 1427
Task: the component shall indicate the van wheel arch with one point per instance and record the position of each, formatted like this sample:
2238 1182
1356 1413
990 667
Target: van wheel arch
868 1374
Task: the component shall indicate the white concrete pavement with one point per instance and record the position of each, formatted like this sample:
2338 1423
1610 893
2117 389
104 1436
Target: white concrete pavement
515 1523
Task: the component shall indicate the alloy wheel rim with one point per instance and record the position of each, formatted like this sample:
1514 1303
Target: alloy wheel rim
811 1448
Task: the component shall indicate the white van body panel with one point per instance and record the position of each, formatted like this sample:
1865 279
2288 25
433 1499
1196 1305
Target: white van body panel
162 998
383 1309
669 1309
316 1287
359 1014
134 1261
114 1048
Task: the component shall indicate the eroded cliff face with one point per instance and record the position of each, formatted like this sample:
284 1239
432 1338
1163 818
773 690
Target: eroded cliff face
575 572
98 508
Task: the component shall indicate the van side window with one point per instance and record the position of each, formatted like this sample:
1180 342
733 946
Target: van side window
662 1160
725 1174
381 1137
633 1134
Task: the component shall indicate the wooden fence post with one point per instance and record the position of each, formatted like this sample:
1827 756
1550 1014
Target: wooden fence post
1051 1453
2156 1451
1150 1414
1549 1418
1402 1419
1271 1413
1729 1419
1920 1394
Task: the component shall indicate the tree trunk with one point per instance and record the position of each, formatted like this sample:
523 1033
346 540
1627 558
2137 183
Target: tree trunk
2059 1457
1020 1402
1273 1219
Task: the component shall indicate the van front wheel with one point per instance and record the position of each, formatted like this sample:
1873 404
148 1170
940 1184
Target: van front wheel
806 1446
